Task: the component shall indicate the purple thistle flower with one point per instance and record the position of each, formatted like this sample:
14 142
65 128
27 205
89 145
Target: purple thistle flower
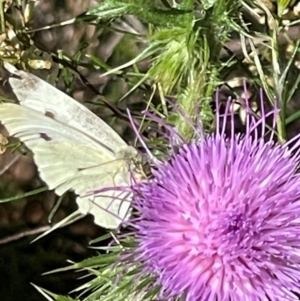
220 221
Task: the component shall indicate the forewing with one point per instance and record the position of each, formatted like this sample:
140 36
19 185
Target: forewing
35 93
27 124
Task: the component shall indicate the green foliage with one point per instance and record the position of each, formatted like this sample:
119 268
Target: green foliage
23 195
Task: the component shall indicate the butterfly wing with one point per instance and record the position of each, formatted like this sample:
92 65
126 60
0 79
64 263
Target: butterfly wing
92 170
69 159
37 94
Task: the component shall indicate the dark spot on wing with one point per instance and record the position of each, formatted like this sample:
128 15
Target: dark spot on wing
50 114
45 137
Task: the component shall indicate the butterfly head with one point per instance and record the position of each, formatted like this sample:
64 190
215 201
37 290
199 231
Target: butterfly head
127 153
131 155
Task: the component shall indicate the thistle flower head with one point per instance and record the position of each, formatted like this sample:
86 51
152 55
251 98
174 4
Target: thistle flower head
220 220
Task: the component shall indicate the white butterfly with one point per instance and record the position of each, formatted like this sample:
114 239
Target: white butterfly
72 147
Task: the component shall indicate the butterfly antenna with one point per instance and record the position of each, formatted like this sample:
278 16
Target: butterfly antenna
139 136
